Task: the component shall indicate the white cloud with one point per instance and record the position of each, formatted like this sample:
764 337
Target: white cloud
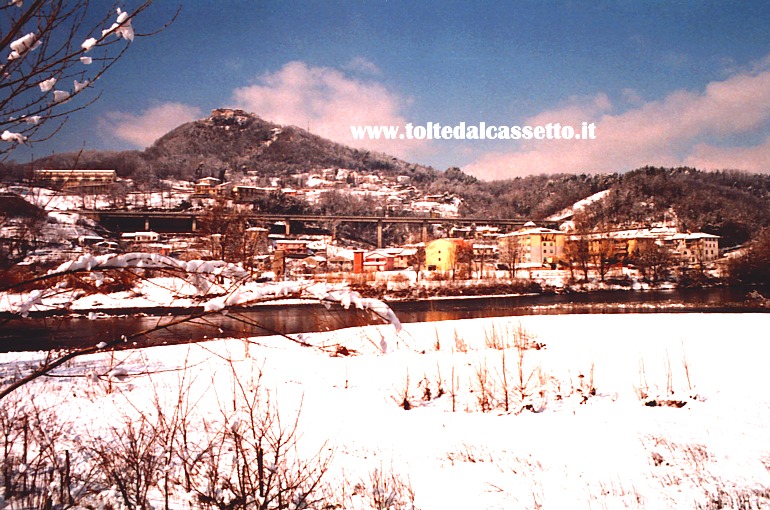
144 128
328 102
670 131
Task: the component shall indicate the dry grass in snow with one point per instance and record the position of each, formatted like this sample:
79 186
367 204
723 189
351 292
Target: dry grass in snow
595 411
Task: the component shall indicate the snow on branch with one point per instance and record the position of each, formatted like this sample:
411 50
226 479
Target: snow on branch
122 27
53 30
47 85
328 293
199 272
345 297
8 136
216 286
23 45
88 43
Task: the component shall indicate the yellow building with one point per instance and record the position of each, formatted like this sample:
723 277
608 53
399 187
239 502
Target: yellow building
619 246
441 254
536 246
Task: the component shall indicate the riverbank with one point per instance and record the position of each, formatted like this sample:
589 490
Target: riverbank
67 329
610 300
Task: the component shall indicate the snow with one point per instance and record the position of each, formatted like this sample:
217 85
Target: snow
22 45
578 206
609 452
211 284
88 43
47 85
122 27
60 96
8 136
80 85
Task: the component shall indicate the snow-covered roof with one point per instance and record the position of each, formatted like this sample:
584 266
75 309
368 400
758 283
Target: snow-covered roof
139 234
535 230
693 236
292 241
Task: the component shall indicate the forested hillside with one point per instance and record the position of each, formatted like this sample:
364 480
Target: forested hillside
731 204
734 205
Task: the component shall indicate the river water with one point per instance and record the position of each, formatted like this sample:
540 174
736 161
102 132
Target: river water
47 333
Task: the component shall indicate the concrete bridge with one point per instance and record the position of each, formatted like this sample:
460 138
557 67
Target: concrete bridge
189 222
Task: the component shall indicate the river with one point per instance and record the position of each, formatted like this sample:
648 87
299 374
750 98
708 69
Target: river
45 333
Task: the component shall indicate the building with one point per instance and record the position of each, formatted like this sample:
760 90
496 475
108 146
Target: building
140 237
694 248
475 232
619 246
292 247
402 257
89 240
379 260
484 251
75 181
340 263
442 254
250 193
532 246
207 186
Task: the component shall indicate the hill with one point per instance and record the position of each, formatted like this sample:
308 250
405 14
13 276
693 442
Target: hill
230 143
734 205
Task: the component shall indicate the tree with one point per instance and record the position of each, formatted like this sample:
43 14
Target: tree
55 54
602 250
417 261
578 254
462 258
20 226
753 265
509 254
653 260
226 228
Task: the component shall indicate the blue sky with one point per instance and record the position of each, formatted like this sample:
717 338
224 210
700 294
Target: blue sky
666 83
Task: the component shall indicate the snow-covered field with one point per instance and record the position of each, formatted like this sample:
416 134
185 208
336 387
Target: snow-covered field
581 436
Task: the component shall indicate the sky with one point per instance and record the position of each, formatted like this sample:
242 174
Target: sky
665 83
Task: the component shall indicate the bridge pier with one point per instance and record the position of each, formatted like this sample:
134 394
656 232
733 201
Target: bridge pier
287 224
379 234
146 223
425 232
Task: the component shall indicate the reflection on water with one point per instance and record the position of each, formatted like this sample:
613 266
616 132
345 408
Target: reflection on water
68 332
